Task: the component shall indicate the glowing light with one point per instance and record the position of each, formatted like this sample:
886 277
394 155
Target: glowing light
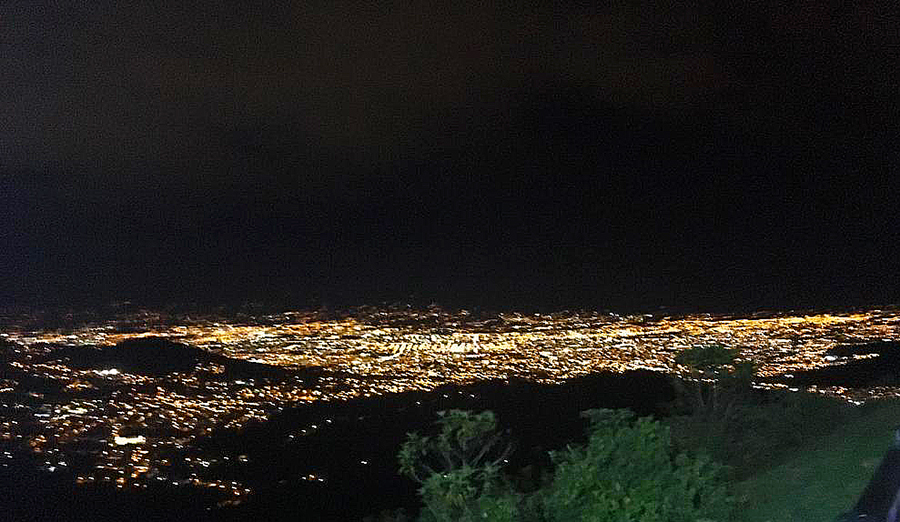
122 441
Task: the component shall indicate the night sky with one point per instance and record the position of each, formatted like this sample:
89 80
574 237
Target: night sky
473 155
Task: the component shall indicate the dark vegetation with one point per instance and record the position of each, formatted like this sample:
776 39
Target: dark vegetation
718 431
627 471
537 417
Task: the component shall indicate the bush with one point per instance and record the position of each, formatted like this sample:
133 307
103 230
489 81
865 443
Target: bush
718 383
629 471
459 469
760 435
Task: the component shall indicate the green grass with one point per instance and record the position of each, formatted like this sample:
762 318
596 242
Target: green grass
823 477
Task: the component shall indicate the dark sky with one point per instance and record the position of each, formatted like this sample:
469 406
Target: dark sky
476 155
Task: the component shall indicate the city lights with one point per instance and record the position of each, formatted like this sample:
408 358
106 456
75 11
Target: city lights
135 427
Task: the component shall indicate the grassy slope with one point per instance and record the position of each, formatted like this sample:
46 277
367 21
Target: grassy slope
824 477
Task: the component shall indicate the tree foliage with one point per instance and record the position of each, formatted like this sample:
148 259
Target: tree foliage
459 469
629 471
718 380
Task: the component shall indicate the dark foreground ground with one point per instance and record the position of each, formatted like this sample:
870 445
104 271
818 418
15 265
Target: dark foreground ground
351 446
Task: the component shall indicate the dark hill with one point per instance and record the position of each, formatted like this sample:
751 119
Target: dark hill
144 356
154 355
157 356
883 370
354 443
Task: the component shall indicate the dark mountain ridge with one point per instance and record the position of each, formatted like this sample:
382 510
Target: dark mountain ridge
157 356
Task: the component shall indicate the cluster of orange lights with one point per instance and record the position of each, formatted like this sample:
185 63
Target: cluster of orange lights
143 421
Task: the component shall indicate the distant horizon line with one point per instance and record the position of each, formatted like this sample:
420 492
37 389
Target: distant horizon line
275 306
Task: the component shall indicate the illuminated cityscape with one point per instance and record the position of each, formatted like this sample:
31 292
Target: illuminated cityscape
72 408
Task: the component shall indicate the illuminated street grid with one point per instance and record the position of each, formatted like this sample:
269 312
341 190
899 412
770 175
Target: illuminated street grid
140 429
